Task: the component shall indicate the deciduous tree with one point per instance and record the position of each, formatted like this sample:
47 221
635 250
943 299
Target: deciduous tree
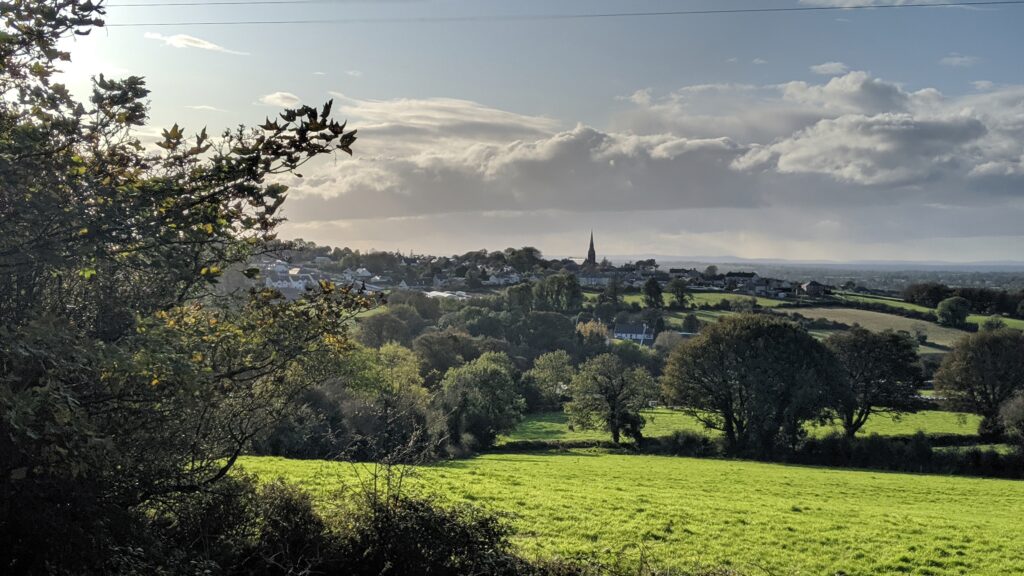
983 371
480 400
127 379
680 291
953 311
607 395
880 374
552 374
756 378
653 294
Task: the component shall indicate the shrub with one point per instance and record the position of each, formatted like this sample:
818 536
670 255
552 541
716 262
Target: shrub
1012 416
390 536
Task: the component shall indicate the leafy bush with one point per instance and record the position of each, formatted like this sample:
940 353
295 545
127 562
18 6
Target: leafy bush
391 536
1012 417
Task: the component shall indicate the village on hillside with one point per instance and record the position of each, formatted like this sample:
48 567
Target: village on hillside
297 268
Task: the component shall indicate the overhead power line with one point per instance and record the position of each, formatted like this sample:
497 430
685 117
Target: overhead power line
527 17
217 3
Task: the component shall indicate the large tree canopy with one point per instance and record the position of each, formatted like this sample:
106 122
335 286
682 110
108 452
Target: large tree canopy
881 373
127 378
608 395
982 372
756 378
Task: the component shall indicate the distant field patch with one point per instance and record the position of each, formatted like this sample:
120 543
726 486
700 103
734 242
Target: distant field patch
878 321
712 298
761 518
896 303
555 426
662 422
890 302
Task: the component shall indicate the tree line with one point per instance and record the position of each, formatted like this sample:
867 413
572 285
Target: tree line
979 300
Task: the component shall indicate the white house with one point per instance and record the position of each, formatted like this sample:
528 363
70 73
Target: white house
637 333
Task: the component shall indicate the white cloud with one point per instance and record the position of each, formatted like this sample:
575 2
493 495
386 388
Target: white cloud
983 85
281 99
733 60
205 108
852 161
185 41
853 92
830 69
354 73
758 61
891 149
319 73
959 60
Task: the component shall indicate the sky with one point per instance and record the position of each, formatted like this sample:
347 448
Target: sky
885 134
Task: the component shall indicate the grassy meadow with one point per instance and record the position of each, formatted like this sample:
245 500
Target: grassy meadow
662 422
878 321
896 303
696 298
762 518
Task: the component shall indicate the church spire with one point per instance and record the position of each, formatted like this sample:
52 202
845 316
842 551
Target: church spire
591 253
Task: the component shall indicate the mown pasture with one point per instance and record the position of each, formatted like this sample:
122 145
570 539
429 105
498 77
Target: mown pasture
697 299
662 422
761 518
879 321
900 304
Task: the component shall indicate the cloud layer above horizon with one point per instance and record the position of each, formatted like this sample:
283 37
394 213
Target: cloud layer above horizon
853 166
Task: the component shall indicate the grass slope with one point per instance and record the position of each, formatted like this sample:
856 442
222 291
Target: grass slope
895 303
786 519
662 422
878 321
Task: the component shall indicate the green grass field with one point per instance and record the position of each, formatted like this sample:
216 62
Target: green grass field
762 518
895 303
696 298
878 321
711 298
662 422
890 302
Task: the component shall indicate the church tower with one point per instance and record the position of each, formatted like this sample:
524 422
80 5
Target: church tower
591 253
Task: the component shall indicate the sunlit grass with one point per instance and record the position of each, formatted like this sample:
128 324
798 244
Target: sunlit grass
662 422
786 519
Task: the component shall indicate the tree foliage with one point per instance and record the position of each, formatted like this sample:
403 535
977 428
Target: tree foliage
126 378
1011 416
680 291
653 294
480 400
379 329
983 371
607 395
756 378
552 375
953 311
881 374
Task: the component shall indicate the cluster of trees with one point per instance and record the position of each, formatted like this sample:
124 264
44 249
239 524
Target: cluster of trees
979 300
128 384
436 377
759 379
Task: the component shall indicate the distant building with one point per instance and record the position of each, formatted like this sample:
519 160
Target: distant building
813 289
636 333
591 253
